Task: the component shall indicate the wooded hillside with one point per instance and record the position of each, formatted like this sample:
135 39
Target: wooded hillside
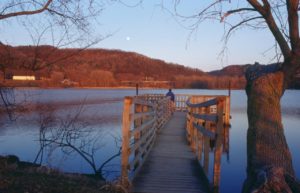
53 67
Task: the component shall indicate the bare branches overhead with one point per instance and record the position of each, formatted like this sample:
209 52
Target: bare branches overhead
235 11
63 13
279 16
265 11
20 12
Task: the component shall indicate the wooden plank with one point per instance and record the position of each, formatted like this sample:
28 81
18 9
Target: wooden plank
142 114
203 104
171 166
125 141
206 117
142 140
142 150
143 102
137 134
218 148
204 131
143 126
137 170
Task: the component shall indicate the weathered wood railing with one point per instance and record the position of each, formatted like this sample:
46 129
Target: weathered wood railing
181 104
143 116
205 123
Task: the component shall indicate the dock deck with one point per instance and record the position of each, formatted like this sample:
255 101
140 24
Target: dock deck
171 166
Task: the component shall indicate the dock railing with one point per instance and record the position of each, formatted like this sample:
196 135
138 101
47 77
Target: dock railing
182 105
143 116
180 102
206 119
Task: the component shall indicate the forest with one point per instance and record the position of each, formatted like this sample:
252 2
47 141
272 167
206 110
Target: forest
54 67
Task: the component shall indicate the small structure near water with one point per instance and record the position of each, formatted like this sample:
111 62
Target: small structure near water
23 77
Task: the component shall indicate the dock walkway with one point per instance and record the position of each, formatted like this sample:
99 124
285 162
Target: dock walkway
171 166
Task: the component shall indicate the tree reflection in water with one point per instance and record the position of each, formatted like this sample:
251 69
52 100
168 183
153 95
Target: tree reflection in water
69 134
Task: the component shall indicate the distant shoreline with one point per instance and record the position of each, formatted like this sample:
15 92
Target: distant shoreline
122 88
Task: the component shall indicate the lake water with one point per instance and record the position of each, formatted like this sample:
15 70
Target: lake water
101 111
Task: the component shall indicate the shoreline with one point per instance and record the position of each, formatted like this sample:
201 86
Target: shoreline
122 88
20 176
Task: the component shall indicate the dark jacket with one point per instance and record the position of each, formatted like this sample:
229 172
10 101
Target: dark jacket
171 95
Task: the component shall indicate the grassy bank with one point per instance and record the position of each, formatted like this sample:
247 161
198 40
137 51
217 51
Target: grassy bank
19 177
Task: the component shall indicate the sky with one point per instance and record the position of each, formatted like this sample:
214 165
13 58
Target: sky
149 30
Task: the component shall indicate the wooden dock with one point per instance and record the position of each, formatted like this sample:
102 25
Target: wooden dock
171 165
164 153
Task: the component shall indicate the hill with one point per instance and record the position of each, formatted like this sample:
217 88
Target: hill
236 71
231 70
93 67
54 67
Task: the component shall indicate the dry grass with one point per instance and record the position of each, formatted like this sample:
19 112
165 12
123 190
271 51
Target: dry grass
19 177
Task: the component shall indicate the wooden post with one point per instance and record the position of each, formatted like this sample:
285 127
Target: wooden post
145 109
195 140
157 117
227 111
188 124
207 111
137 89
219 140
137 135
200 144
206 154
227 106
125 141
192 133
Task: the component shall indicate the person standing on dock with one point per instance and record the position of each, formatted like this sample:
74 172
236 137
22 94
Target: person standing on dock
172 98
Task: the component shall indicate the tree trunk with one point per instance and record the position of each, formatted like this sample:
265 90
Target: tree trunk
269 160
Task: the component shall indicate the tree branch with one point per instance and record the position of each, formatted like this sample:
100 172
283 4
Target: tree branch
292 8
265 11
20 13
236 11
241 23
256 5
100 169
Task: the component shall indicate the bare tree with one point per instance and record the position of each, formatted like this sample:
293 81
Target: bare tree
71 135
61 23
74 11
46 122
64 22
270 167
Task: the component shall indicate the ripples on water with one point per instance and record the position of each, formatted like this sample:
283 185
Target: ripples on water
102 111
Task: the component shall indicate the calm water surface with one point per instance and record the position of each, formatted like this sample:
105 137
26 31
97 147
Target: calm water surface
102 111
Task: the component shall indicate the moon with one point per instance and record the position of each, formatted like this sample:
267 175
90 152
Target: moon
127 38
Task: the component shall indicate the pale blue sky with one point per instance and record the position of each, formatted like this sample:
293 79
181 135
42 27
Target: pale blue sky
148 30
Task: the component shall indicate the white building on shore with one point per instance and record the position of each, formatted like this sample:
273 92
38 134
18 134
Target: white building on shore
23 77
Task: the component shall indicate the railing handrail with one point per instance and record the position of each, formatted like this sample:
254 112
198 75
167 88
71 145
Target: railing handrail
182 105
143 116
208 103
199 120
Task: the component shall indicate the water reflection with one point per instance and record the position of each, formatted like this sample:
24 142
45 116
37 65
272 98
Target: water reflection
72 136
20 138
214 149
